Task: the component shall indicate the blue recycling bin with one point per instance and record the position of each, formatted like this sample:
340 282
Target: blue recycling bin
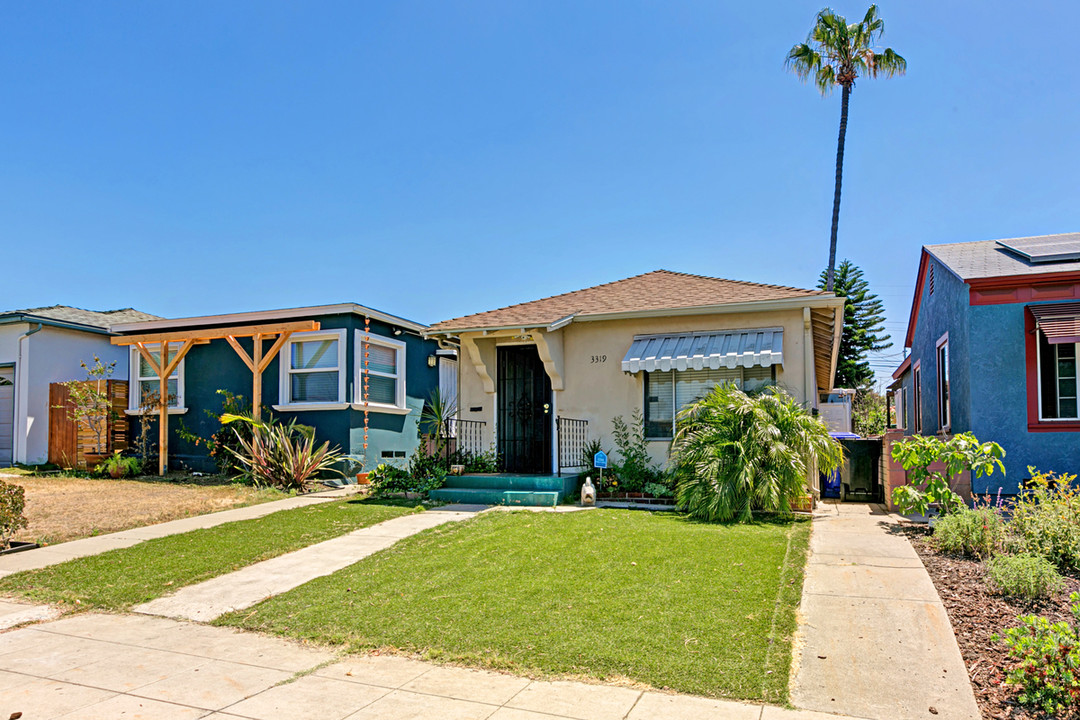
830 484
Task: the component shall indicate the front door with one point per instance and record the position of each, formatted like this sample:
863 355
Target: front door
525 422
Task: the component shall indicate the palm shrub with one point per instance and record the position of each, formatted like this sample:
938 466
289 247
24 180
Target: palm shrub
734 454
283 456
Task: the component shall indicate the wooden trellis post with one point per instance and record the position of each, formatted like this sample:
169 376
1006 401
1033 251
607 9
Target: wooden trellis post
257 362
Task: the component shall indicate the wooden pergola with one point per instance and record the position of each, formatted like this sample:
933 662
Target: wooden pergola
257 362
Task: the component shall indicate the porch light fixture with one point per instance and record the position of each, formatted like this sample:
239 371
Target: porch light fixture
432 360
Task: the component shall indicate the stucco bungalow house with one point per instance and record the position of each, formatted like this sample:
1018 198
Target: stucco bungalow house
993 335
540 378
40 346
349 371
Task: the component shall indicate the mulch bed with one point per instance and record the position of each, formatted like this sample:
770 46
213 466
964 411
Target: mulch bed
977 615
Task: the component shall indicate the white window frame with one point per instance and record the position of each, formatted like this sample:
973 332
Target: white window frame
944 405
135 381
398 407
285 371
1039 375
916 397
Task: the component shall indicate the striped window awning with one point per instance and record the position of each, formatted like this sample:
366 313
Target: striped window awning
1060 322
697 351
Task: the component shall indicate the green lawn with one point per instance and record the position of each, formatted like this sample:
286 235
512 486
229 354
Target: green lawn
654 597
119 579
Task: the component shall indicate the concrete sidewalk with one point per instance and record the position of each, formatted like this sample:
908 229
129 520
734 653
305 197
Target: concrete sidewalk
243 588
62 552
874 639
98 667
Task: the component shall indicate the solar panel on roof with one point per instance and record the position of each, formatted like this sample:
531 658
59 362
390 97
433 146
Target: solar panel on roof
1051 248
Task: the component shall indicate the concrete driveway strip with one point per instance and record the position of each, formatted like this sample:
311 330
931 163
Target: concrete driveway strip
237 590
94 666
874 640
62 552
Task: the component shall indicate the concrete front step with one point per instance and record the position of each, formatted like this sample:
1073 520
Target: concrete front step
496 496
512 482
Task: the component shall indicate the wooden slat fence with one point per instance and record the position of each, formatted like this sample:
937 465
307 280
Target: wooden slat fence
69 443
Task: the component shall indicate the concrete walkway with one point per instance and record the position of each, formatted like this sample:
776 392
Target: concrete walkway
102 667
245 587
62 552
874 639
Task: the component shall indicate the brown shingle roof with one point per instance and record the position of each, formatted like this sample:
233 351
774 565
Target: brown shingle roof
94 318
657 290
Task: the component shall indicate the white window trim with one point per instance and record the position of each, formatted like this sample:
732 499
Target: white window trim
1039 377
398 408
916 397
133 383
285 367
943 404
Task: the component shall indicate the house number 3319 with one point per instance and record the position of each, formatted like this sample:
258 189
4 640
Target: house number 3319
599 359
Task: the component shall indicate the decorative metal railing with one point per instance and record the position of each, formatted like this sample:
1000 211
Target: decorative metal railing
572 436
466 435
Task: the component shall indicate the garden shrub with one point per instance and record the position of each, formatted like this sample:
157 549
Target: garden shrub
1046 519
658 490
387 478
1047 656
12 504
735 454
959 454
1030 577
635 467
977 533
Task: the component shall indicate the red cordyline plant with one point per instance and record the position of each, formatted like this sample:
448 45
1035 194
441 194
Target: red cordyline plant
279 455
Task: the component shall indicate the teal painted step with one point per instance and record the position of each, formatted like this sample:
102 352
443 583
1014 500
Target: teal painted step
563 485
495 496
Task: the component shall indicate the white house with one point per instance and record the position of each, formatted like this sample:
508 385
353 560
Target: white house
44 345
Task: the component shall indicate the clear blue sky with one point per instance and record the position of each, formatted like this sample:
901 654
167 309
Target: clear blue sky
437 158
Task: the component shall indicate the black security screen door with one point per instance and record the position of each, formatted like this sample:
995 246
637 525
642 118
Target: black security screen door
524 411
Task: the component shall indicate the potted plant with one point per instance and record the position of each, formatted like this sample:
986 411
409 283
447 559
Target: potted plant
91 407
117 466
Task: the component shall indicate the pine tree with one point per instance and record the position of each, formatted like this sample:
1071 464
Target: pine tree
864 328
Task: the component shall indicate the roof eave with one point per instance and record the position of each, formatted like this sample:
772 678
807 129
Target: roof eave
824 300
261 315
51 322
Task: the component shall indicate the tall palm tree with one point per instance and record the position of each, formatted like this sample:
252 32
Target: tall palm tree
836 53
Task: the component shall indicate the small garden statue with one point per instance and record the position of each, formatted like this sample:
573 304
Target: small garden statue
588 492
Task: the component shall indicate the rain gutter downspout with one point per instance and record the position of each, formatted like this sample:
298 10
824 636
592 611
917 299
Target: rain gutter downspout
19 439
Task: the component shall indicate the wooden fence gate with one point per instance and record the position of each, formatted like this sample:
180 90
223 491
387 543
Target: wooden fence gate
68 443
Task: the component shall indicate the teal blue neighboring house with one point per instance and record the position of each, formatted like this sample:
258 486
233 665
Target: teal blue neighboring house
994 335
317 377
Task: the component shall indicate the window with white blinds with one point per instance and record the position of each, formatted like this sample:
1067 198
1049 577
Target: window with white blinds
313 366
668 392
146 382
380 371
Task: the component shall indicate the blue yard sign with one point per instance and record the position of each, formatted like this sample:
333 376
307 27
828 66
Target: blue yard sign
600 460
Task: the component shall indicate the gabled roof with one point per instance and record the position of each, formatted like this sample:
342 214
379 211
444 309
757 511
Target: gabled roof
981 261
76 318
656 291
989 258
262 316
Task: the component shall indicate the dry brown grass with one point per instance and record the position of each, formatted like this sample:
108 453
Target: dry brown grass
62 508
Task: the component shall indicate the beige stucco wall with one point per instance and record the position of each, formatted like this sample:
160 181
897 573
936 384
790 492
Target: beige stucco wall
598 390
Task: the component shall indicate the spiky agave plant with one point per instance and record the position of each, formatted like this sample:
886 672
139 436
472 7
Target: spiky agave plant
735 454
